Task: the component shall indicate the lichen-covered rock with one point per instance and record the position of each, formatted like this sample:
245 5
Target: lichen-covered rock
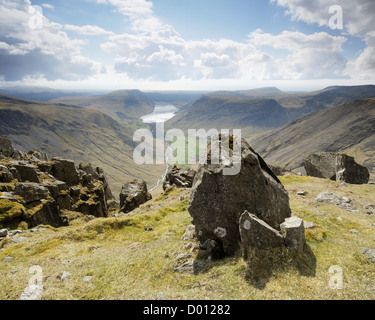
31 192
133 194
217 200
48 213
5 174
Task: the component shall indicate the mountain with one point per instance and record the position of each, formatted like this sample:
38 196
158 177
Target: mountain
266 92
124 106
253 115
347 128
305 103
259 110
75 133
43 93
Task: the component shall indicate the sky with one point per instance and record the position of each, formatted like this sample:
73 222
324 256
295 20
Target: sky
187 44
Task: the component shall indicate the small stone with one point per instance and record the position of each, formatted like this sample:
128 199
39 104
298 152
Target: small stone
370 253
189 233
65 276
354 231
19 239
160 296
309 225
3 233
87 278
301 193
339 219
8 259
372 224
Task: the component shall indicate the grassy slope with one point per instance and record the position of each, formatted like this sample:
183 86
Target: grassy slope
126 262
83 135
221 111
347 128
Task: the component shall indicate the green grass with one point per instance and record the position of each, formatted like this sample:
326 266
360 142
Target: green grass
128 262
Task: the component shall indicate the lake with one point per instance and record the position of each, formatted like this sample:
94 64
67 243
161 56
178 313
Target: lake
161 113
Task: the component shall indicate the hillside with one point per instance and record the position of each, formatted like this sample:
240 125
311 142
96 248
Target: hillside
259 110
137 256
74 133
124 106
253 115
305 103
347 128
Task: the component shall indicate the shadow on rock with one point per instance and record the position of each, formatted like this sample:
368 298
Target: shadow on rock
263 264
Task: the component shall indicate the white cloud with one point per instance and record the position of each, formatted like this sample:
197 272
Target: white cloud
48 6
88 30
358 20
47 52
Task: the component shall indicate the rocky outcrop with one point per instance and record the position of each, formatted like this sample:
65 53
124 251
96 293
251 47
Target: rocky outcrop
37 191
341 202
48 213
31 192
65 170
133 194
336 166
217 200
180 178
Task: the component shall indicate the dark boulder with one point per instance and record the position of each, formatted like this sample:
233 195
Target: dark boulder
65 170
47 214
27 172
336 166
6 147
133 194
5 174
218 200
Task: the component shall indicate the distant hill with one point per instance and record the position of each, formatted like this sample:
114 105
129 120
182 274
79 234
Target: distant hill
124 106
43 93
305 103
266 92
259 110
74 133
253 115
348 128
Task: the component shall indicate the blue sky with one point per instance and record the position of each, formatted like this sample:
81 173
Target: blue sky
181 44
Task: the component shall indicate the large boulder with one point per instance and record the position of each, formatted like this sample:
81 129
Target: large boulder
48 213
31 192
336 166
181 178
133 194
6 147
218 200
27 172
65 170
5 174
